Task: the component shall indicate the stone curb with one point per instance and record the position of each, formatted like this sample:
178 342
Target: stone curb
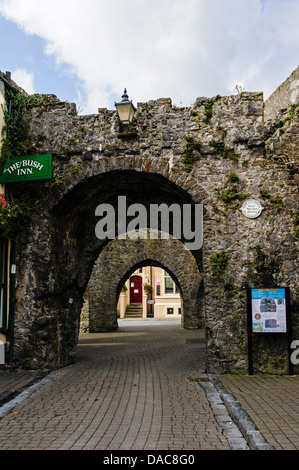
229 428
253 437
10 405
10 394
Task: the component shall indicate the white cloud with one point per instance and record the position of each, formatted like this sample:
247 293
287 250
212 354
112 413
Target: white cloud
24 79
180 49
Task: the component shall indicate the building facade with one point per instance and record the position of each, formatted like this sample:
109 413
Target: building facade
152 293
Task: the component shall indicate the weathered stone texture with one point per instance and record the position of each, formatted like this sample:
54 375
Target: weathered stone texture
168 155
285 95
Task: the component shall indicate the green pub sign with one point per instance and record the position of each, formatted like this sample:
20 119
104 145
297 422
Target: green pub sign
30 168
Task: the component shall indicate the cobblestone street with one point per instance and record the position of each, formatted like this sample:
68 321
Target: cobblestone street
129 390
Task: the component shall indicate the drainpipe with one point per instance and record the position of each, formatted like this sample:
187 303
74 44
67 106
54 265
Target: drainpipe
12 302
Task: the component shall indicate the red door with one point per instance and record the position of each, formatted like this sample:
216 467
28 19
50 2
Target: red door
136 290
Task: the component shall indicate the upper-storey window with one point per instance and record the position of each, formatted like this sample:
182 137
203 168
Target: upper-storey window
169 285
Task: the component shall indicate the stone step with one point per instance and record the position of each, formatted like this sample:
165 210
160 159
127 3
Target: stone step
134 311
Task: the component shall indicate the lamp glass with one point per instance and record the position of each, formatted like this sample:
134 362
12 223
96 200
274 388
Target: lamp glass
125 112
125 109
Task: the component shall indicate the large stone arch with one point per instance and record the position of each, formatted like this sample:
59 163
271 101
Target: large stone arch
56 265
120 258
216 152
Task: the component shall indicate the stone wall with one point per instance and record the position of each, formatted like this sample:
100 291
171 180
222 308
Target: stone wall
214 153
122 257
276 106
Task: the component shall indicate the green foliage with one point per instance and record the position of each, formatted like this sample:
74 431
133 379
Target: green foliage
275 201
233 178
291 110
17 141
295 222
208 111
13 216
222 131
148 289
263 270
191 154
231 193
264 194
218 263
220 148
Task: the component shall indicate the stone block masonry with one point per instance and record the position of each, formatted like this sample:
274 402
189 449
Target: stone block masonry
218 152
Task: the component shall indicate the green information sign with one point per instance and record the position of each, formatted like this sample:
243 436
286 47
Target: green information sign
31 168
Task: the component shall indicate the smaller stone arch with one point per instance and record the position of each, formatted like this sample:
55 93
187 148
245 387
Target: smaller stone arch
120 258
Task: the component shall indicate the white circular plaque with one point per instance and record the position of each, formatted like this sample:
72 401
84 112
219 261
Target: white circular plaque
252 208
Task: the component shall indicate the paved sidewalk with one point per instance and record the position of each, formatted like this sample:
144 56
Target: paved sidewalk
272 402
13 382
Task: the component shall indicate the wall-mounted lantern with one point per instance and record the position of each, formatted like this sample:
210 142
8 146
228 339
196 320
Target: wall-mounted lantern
125 109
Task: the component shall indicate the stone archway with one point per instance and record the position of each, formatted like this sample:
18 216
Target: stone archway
216 152
56 265
120 258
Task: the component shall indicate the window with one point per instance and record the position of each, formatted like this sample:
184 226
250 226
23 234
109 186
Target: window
170 311
169 284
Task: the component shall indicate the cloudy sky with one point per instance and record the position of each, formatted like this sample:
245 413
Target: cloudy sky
87 51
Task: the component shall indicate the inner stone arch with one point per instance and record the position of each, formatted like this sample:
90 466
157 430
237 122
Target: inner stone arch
120 258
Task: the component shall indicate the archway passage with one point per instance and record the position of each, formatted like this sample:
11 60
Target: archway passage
121 258
57 264
161 298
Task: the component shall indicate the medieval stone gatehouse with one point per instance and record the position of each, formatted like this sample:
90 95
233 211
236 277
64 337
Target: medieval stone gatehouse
220 153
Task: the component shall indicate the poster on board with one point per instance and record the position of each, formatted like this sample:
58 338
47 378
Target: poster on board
269 310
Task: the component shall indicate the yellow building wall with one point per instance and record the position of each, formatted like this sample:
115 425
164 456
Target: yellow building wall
163 302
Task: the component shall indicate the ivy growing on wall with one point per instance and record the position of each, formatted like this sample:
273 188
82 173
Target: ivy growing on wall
231 192
295 222
263 269
191 154
224 152
218 263
208 110
16 139
14 216
276 201
17 207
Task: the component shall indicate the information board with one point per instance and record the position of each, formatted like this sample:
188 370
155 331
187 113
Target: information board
269 312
